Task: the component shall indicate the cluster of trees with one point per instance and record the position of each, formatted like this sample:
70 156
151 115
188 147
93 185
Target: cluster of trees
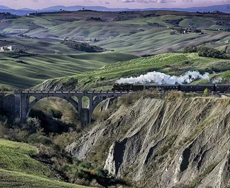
94 19
84 47
7 15
206 52
184 31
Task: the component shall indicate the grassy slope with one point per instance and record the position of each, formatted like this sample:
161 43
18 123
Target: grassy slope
174 64
18 169
132 34
30 70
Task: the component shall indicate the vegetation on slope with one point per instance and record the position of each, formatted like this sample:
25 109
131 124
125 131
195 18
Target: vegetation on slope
18 168
173 64
206 52
84 47
44 157
11 179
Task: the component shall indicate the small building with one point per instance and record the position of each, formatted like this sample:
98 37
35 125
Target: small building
7 48
226 41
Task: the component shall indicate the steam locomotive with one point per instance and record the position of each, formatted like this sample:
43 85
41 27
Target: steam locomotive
221 88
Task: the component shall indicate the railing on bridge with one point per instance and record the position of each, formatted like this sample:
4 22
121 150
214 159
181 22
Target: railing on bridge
69 92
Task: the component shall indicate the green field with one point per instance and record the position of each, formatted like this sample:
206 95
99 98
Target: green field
19 169
11 179
173 64
138 33
28 70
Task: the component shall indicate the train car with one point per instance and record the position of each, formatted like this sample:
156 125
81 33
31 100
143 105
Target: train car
162 87
138 87
197 88
223 88
122 87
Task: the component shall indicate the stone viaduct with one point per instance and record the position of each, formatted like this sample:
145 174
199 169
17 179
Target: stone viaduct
23 105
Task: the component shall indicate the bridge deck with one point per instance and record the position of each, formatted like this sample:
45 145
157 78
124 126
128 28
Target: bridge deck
68 92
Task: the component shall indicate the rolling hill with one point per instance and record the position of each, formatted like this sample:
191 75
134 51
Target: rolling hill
27 70
19 169
171 63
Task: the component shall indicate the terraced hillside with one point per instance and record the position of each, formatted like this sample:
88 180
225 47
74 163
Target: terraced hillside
19 169
173 64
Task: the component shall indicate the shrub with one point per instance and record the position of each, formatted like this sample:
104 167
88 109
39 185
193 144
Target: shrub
206 92
101 173
64 139
206 52
130 99
3 131
173 95
33 124
85 47
190 49
39 138
85 165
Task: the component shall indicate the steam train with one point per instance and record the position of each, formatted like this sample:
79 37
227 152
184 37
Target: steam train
221 88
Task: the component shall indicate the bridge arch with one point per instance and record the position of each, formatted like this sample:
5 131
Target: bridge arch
30 105
85 102
96 101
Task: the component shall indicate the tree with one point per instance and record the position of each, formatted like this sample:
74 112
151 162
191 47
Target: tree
206 92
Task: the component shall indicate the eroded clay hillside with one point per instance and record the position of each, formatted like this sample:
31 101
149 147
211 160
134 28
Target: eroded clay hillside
182 142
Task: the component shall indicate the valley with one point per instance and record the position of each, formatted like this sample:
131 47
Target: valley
144 139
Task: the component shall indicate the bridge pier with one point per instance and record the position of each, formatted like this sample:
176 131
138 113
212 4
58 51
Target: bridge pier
85 117
24 107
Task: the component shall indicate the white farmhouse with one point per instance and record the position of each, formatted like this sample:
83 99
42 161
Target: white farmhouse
7 48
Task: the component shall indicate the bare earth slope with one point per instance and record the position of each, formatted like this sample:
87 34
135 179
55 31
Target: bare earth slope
163 143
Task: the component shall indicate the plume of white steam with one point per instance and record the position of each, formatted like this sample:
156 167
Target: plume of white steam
161 78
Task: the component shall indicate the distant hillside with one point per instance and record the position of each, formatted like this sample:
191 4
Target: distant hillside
134 32
22 12
4 7
221 8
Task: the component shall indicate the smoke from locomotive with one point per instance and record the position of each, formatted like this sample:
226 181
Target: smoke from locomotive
161 78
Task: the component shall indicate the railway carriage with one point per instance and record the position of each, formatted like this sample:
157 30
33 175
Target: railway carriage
162 87
197 88
221 88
